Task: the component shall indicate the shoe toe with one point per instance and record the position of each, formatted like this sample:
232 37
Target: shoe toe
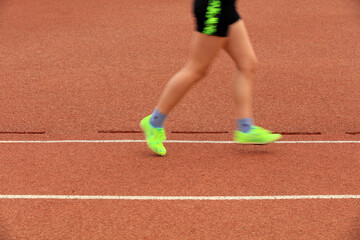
161 151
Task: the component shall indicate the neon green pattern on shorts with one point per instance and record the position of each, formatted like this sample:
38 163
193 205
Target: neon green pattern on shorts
212 17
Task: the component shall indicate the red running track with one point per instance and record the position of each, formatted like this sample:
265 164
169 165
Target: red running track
129 169
73 68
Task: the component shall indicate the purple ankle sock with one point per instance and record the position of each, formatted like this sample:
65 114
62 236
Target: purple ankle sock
157 119
244 124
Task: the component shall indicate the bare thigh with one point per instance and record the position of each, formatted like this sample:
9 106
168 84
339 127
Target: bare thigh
203 50
239 47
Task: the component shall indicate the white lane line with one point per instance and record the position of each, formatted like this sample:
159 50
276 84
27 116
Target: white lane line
167 141
216 198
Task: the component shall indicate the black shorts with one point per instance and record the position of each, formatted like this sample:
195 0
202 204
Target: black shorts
213 17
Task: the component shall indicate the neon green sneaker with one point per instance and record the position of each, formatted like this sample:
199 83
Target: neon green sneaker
256 135
154 136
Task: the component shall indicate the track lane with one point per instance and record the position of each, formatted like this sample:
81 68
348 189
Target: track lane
212 169
77 219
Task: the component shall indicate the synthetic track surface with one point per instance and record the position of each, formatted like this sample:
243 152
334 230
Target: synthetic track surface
129 169
176 198
77 67
78 70
166 141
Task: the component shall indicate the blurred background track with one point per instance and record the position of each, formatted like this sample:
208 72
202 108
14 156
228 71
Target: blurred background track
77 67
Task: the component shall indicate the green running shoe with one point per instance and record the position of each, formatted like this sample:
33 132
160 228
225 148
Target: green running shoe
256 135
154 136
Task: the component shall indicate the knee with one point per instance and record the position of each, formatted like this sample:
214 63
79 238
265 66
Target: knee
247 65
197 72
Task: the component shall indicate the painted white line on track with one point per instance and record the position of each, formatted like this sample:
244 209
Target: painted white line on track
216 198
167 141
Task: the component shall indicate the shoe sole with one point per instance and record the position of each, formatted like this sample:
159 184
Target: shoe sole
258 143
255 143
